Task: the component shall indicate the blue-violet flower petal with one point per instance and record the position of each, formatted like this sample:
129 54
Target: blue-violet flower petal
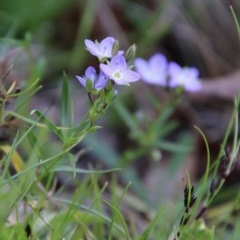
153 71
118 71
102 49
188 77
98 82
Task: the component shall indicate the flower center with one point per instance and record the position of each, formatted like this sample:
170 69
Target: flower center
117 75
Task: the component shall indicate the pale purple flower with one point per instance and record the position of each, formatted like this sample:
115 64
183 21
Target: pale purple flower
118 71
98 81
153 71
101 50
187 77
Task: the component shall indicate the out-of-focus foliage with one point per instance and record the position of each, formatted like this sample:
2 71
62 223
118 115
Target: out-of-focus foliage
28 15
54 183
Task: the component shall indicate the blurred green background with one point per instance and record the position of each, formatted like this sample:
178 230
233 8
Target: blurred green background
51 34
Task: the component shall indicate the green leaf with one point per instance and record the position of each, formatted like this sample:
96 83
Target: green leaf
127 117
236 21
203 184
83 171
64 101
117 212
173 147
111 158
12 192
25 95
197 230
150 229
51 126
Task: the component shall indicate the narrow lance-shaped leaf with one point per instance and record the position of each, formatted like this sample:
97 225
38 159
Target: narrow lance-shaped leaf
51 126
64 101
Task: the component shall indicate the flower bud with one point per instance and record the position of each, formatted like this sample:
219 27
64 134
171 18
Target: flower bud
115 47
131 52
109 85
156 155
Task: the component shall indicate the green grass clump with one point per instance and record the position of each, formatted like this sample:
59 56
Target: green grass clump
60 178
